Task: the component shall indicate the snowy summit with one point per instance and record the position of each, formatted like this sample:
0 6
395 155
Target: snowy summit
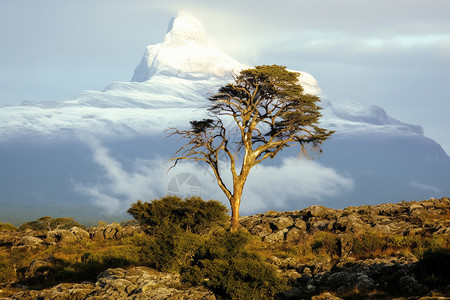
185 53
170 84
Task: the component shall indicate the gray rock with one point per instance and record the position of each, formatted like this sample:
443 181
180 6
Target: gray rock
276 237
294 234
271 213
282 222
300 224
27 241
136 283
112 231
410 287
263 229
81 234
37 268
61 236
249 221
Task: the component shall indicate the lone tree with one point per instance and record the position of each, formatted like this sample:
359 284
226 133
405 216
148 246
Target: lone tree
268 111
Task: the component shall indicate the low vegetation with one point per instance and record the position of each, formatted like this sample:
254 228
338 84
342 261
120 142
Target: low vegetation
191 237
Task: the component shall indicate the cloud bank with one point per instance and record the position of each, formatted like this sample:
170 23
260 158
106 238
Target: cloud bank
285 187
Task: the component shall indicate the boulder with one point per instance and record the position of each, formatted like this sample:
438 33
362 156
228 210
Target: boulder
112 231
282 222
61 236
81 234
37 268
27 241
262 229
300 224
294 234
275 237
271 213
249 221
318 211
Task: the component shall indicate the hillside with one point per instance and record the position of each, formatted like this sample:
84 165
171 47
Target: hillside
363 252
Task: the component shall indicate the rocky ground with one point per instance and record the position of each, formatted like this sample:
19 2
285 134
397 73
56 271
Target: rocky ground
399 274
135 283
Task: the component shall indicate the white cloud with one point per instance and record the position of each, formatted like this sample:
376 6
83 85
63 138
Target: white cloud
120 187
425 187
293 183
283 187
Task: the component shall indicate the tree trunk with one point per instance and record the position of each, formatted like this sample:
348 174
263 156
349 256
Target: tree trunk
234 214
235 201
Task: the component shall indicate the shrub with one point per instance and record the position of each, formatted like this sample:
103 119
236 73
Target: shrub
7 273
325 242
192 214
7 227
223 265
190 237
168 252
433 268
367 244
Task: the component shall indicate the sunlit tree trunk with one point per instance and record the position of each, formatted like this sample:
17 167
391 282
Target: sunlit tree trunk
235 203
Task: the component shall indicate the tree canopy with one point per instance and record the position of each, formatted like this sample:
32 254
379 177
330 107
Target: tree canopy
261 112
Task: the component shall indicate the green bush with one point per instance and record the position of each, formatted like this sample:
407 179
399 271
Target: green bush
367 244
192 214
223 265
325 242
167 252
189 236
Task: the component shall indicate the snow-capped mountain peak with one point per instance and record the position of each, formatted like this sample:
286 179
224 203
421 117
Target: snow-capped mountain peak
184 30
185 53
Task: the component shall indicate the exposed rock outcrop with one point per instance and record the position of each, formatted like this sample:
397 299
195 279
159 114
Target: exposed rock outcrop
405 218
112 231
136 283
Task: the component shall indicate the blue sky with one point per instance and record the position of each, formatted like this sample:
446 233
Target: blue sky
394 54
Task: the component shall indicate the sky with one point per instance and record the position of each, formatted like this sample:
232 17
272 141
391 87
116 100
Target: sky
391 53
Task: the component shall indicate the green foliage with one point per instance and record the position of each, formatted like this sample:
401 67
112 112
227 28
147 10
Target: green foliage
274 93
368 243
189 237
325 242
6 268
72 262
171 212
169 252
48 223
7 227
224 265
419 245
11 261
